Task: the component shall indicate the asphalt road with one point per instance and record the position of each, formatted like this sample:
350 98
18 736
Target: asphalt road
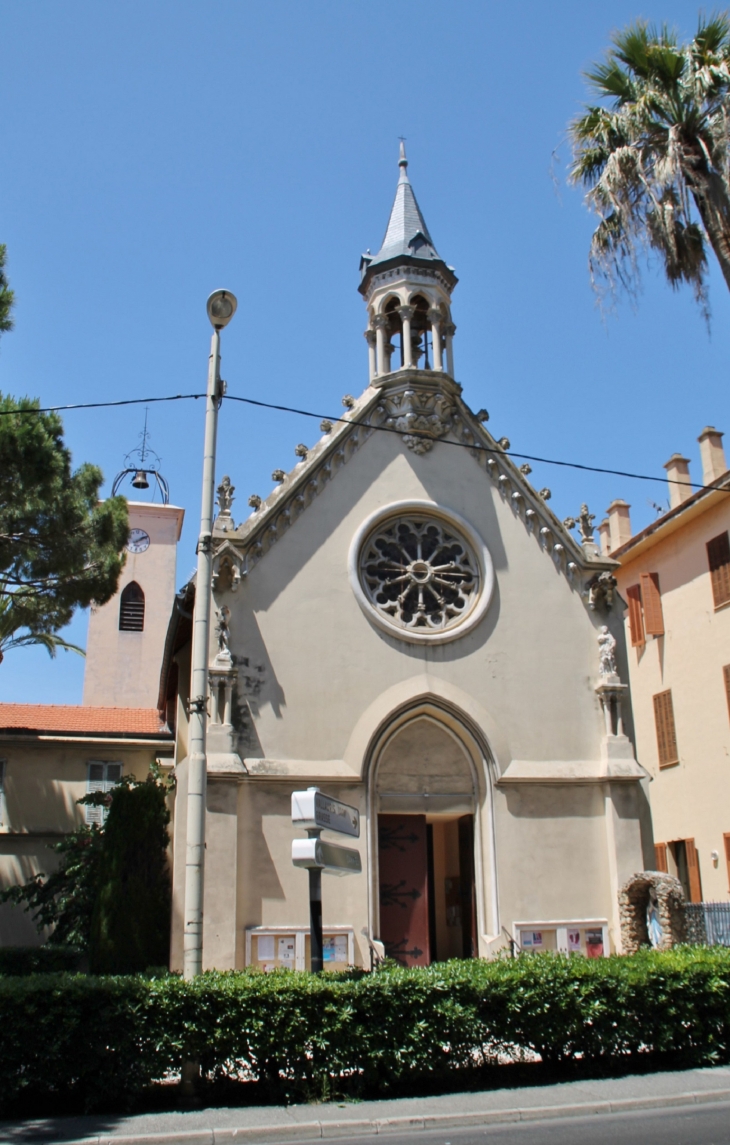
693 1125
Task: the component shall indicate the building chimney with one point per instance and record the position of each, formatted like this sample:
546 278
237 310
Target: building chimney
619 523
604 537
712 454
678 471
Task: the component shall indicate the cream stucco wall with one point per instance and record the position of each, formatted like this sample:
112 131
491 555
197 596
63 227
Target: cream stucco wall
44 778
123 668
692 798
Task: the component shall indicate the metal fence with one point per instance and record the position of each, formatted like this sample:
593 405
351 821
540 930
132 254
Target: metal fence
708 923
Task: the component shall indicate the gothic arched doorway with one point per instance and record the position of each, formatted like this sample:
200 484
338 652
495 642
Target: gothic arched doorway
425 798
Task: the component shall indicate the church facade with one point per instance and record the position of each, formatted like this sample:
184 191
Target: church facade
405 624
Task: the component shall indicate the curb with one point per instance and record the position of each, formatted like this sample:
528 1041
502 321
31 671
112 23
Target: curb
319 1130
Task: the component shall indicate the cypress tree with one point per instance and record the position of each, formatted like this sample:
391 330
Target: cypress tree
130 925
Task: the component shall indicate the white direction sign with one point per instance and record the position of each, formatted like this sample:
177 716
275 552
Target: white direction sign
312 809
328 857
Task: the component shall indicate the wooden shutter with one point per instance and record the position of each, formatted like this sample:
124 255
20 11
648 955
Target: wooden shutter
652 601
693 871
718 556
726 840
95 782
636 621
666 734
660 857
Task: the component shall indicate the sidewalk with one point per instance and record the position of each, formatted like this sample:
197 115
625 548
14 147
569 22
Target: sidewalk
274 1124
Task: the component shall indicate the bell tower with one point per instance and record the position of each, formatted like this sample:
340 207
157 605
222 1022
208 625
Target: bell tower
126 638
407 287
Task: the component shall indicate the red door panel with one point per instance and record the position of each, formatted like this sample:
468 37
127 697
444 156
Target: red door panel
403 862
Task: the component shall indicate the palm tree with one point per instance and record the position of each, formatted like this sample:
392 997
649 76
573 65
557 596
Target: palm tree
9 637
655 161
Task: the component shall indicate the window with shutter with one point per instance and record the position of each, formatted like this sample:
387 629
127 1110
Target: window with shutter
718 556
652 601
636 621
726 840
666 734
693 871
100 777
660 857
131 608
726 677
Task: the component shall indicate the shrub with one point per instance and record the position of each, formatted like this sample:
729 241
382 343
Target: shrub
102 1041
19 960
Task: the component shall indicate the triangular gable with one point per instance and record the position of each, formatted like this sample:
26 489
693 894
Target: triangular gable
426 411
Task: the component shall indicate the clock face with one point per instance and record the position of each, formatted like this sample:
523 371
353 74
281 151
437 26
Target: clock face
138 541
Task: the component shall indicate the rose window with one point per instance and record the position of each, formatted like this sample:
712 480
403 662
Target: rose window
419 574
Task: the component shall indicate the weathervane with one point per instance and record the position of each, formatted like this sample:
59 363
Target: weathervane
135 463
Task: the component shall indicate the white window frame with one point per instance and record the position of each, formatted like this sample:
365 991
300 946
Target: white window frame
103 783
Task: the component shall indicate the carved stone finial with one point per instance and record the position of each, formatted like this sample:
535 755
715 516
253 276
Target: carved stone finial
504 443
482 416
326 426
225 498
278 475
348 401
545 494
584 523
301 451
255 501
225 493
526 470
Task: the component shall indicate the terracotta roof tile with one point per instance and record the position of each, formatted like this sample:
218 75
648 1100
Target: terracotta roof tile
75 719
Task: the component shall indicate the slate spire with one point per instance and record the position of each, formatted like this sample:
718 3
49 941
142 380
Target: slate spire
406 236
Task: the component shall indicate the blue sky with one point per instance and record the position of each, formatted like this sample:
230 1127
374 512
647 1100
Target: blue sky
155 151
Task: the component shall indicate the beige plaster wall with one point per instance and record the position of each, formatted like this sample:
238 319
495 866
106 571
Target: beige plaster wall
532 660
692 798
43 781
123 668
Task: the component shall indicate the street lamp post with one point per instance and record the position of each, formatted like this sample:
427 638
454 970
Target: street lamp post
221 308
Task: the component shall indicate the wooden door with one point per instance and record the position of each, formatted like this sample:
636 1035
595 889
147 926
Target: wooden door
403 885
466 881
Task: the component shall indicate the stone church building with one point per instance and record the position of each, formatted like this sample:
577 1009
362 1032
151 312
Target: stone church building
404 623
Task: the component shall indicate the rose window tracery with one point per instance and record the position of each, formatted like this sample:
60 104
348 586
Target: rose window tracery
419 573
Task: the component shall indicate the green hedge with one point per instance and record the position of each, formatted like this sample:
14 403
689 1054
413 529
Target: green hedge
102 1041
18 960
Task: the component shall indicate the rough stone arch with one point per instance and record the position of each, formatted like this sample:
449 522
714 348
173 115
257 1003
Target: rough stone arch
633 901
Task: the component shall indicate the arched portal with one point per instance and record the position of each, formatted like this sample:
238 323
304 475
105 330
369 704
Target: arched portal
427 791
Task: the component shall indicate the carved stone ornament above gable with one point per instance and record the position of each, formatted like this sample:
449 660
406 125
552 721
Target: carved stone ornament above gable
422 416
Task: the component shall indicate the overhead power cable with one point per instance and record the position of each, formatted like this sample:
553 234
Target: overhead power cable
102 405
379 428
473 445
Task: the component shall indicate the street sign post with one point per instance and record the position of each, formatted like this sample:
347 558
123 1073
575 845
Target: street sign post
329 857
312 808
315 811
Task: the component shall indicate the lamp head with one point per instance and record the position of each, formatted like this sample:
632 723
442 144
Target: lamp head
221 307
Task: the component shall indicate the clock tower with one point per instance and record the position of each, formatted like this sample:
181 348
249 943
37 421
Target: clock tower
127 634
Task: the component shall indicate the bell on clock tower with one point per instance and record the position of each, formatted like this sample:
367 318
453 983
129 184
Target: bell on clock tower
127 634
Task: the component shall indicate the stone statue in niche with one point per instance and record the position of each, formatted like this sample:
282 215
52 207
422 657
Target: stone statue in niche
224 633
606 653
653 925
